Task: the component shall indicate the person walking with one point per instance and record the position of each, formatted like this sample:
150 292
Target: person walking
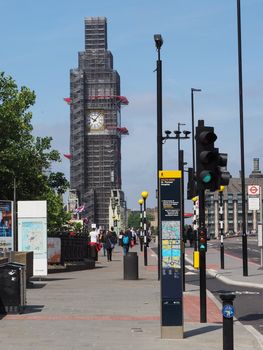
126 240
102 240
109 243
114 235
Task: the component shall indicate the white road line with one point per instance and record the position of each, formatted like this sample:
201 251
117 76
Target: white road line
256 334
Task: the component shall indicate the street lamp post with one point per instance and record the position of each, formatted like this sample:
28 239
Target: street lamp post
144 195
158 44
244 234
193 125
140 201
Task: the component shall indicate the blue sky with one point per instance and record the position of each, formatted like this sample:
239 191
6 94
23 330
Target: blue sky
39 44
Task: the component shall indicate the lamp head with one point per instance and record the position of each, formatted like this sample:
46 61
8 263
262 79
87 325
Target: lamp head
140 201
197 90
186 132
177 133
144 194
168 133
158 41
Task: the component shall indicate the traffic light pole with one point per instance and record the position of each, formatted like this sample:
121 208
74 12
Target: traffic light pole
221 222
202 257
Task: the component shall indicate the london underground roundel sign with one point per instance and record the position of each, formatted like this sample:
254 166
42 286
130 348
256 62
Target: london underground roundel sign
253 190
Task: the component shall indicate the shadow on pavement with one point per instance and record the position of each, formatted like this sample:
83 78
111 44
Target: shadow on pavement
29 309
35 285
201 330
50 279
251 317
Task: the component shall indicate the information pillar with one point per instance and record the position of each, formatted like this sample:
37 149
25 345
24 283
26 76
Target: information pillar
171 255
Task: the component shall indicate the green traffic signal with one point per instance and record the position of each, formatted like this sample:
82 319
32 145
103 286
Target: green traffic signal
206 176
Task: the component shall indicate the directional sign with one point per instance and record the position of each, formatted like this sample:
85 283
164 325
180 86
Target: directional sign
228 311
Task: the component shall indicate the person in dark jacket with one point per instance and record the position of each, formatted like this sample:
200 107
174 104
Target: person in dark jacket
109 244
126 241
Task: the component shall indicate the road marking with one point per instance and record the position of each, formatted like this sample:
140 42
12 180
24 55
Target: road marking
247 292
256 334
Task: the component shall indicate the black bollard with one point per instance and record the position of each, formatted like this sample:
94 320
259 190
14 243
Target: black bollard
228 314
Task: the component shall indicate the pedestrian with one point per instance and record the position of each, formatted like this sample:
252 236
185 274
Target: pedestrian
94 235
109 243
102 240
134 235
126 240
113 234
120 237
190 235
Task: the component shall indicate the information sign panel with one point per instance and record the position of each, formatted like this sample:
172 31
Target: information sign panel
171 251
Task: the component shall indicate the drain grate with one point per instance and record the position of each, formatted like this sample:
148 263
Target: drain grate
136 330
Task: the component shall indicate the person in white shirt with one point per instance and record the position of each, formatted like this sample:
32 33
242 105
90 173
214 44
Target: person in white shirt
94 235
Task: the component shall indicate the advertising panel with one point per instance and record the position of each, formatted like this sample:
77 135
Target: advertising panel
54 250
6 226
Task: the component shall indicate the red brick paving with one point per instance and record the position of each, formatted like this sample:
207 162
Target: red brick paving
192 310
191 314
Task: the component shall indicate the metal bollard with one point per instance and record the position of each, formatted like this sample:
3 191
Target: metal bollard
228 314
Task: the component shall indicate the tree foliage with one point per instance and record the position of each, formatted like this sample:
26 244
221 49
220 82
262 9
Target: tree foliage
26 158
134 219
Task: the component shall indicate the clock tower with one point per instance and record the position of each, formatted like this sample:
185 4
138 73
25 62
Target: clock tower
95 129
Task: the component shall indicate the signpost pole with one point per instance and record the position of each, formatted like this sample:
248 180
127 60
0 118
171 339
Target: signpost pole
260 232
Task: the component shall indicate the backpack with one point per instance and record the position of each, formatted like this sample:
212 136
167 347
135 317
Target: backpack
125 240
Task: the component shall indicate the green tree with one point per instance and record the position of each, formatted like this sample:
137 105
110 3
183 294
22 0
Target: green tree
26 158
134 219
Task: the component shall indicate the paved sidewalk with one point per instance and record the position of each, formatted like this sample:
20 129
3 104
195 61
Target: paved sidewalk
97 309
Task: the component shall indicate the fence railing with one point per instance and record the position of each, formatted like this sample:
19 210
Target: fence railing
76 248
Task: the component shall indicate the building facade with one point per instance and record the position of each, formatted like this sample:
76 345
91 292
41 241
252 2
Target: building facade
95 124
232 205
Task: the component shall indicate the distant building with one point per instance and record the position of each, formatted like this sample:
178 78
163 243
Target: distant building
232 205
95 124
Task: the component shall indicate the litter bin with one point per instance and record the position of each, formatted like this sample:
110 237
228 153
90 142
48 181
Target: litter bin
130 266
13 288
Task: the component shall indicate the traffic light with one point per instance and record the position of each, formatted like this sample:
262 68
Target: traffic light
223 175
206 158
202 239
191 185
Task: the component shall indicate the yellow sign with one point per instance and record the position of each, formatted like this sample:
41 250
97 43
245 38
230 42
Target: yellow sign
170 174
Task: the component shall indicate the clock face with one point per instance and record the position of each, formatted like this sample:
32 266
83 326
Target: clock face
96 120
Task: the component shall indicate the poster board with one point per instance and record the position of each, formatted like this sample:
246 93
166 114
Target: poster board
6 226
32 233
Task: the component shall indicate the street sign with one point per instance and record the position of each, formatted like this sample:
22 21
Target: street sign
228 311
253 197
253 190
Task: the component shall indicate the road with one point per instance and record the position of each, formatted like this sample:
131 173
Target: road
233 246
248 302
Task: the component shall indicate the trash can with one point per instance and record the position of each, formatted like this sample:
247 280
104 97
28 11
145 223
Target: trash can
130 266
13 288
